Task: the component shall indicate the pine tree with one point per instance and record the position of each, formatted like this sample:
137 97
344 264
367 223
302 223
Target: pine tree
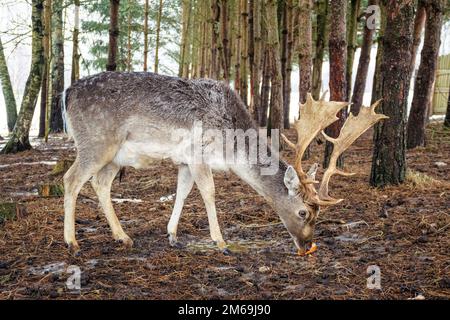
423 87
389 160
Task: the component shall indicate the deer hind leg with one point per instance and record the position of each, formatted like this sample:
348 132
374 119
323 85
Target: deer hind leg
102 182
204 179
74 179
184 186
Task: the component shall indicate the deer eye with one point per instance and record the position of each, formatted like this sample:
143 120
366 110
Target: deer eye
302 214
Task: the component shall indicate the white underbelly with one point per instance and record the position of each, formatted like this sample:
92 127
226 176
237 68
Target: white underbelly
139 155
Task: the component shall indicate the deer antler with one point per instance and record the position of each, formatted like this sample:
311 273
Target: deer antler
315 117
350 131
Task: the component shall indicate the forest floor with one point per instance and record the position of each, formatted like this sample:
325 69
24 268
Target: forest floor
404 230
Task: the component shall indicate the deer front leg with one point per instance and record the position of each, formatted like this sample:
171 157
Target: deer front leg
204 179
184 186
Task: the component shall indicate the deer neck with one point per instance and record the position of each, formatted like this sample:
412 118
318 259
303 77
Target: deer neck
270 186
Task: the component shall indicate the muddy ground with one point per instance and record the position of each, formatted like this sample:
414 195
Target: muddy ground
404 230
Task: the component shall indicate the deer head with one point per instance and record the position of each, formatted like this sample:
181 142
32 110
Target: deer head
315 117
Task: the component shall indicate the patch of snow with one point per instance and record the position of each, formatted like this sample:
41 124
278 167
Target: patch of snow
170 197
127 200
48 163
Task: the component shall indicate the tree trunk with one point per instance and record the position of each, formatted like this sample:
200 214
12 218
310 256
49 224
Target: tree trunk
19 140
423 87
158 32
273 47
75 54
183 70
113 35
57 67
237 33
363 65
146 12
225 40
287 39
45 97
215 45
244 52
419 24
377 76
321 40
265 90
305 49
8 93
129 55
338 53
389 161
352 43
255 53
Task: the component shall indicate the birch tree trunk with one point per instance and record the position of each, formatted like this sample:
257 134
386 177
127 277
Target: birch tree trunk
8 93
19 140
389 161
423 86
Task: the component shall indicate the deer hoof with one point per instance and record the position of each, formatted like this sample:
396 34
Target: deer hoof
127 242
174 243
226 252
74 248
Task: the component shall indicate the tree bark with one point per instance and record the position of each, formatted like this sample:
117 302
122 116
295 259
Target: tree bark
129 54
273 47
75 54
183 70
338 53
8 93
113 35
265 90
287 39
321 40
226 55
57 67
419 24
45 98
363 65
244 52
305 49
423 87
389 161
215 45
183 39
377 77
19 140
158 32
255 55
352 43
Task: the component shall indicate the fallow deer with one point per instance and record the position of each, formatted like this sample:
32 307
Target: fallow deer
126 119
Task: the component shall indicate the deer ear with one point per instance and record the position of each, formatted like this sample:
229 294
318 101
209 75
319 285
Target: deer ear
291 181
